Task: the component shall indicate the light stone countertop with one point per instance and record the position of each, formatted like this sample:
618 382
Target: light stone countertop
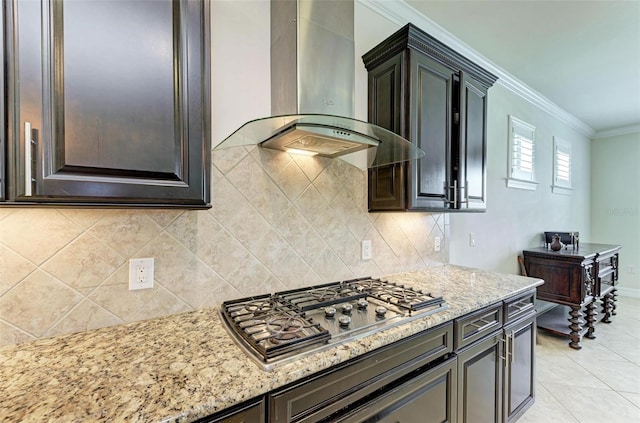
185 366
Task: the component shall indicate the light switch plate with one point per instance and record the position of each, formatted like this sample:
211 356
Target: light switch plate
366 250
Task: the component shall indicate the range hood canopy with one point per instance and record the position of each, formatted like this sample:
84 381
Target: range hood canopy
312 89
326 136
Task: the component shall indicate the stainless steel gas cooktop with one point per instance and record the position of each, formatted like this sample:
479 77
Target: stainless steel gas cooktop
277 328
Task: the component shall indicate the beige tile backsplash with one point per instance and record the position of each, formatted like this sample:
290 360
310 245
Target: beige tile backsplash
277 222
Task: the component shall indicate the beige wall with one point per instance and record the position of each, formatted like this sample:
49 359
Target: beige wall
615 203
276 223
516 218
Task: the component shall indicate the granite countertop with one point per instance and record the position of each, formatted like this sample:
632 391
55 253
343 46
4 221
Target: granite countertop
185 366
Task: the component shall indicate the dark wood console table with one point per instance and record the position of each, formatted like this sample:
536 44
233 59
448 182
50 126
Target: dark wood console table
575 279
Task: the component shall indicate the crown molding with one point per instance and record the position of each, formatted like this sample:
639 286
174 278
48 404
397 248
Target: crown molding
624 130
400 13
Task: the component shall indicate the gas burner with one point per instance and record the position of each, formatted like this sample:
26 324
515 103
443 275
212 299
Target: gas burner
324 294
368 285
403 295
285 328
258 308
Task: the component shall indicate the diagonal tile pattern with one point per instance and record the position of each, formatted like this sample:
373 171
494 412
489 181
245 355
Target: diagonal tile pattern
595 384
277 222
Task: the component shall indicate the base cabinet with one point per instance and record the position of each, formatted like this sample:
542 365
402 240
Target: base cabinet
519 372
480 381
496 367
427 398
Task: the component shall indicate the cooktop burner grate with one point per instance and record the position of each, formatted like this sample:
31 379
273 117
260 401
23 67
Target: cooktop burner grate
271 326
321 295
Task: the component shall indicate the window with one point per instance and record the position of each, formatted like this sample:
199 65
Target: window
521 172
561 166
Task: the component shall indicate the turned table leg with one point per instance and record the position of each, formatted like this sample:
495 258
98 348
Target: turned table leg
591 319
607 306
614 299
575 326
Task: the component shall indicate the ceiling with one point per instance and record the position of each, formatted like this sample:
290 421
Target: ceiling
582 55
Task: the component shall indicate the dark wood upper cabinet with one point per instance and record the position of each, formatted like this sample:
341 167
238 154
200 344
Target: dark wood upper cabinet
422 90
110 102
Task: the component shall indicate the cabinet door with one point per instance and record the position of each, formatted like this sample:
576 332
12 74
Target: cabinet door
112 102
431 95
472 172
427 398
480 381
519 372
387 184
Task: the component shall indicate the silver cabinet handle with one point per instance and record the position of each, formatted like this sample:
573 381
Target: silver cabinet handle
28 143
505 340
466 193
455 194
513 346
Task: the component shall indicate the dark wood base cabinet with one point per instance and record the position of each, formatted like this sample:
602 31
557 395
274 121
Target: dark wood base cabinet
480 381
576 280
332 395
519 369
427 398
496 361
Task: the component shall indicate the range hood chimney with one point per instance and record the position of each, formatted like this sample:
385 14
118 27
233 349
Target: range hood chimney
312 89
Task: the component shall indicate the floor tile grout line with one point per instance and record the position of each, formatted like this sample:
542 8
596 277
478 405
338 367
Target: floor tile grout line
560 403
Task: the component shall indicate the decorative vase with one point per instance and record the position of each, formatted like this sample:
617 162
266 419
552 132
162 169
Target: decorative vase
556 245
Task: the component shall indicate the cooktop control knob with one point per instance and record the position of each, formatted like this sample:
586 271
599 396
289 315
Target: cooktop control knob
362 303
344 320
329 311
346 308
381 311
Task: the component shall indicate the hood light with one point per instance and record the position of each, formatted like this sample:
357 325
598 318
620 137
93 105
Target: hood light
301 152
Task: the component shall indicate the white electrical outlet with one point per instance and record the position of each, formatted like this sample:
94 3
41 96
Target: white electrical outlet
366 250
436 244
472 239
140 273
632 269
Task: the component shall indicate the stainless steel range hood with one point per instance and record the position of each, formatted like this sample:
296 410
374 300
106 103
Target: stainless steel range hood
312 89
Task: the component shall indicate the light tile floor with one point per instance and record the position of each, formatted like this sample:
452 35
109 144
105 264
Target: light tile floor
599 383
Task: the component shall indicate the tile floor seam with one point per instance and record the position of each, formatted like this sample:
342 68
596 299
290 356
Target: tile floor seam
560 403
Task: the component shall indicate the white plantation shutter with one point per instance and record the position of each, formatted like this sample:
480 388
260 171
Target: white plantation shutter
522 158
521 155
561 166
